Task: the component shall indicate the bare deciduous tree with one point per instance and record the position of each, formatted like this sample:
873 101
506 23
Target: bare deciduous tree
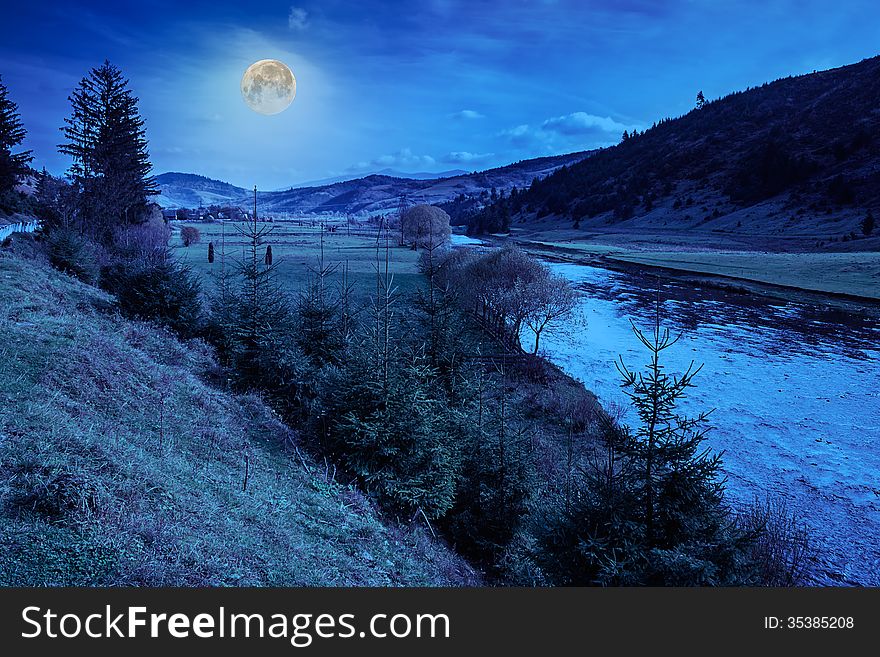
552 300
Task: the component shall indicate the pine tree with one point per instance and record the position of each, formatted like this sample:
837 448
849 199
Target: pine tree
868 224
701 100
106 139
321 335
55 202
651 510
250 321
12 133
497 472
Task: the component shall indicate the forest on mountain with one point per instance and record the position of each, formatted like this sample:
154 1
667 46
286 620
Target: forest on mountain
802 152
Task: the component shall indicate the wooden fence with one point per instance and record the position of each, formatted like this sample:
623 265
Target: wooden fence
18 227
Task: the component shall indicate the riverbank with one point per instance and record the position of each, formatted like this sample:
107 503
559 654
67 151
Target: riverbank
845 280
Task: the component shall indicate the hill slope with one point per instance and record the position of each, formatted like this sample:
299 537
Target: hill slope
368 195
797 157
189 190
119 465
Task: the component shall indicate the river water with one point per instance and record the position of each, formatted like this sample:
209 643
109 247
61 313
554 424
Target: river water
795 389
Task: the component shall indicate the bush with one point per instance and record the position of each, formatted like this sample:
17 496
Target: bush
190 235
62 496
425 226
75 254
396 438
779 550
157 289
143 240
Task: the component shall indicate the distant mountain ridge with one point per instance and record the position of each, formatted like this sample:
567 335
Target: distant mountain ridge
370 194
421 175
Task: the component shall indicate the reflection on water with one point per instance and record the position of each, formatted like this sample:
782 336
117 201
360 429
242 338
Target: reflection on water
795 388
783 329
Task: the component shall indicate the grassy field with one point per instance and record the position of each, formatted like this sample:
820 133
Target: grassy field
856 274
120 465
296 250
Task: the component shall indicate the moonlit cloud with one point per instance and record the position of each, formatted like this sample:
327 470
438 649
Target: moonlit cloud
298 19
404 160
521 135
567 132
580 123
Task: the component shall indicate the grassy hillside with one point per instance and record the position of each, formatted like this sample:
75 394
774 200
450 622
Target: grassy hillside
121 465
796 158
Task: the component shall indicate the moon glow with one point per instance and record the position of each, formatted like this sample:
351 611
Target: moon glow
268 86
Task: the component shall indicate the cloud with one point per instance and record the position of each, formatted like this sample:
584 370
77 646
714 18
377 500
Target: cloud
403 159
581 123
467 115
464 157
298 19
570 131
521 135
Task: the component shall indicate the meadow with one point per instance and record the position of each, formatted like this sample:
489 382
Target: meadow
296 249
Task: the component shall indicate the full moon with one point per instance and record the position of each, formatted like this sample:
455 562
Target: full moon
268 86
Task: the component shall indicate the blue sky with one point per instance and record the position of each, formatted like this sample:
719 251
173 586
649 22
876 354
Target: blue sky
412 86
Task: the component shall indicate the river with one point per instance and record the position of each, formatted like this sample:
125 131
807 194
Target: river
795 389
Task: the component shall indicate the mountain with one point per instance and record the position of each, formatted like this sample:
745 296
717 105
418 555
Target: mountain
799 157
188 190
423 175
366 195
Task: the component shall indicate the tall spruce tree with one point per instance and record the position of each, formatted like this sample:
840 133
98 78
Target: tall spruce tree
262 316
12 133
106 139
651 510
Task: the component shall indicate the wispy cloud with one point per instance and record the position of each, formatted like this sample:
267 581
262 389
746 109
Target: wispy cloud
521 135
467 115
403 159
298 19
465 157
566 132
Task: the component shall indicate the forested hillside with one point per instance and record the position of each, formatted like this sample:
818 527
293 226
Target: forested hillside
796 156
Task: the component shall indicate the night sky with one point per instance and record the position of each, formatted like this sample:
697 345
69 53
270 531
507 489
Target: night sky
411 86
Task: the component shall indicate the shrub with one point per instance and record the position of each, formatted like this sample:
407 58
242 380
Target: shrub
75 254
61 496
190 235
779 550
144 240
425 226
157 289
